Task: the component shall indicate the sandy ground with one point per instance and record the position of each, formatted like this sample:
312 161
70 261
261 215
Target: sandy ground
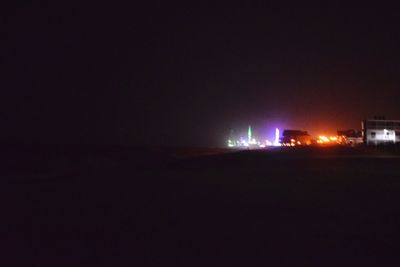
303 207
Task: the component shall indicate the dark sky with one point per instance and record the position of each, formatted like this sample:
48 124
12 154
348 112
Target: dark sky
96 72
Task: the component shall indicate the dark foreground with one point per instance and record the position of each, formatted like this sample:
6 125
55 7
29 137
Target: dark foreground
306 207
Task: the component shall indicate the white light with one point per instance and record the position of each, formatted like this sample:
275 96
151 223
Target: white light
276 142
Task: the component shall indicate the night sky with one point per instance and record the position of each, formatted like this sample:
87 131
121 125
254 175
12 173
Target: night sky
164 74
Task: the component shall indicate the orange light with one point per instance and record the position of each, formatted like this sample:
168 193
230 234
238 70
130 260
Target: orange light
333 138
323 139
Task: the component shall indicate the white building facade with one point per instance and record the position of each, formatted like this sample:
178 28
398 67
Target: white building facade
377 132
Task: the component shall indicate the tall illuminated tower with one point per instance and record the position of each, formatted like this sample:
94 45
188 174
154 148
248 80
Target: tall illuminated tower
276 142
249 134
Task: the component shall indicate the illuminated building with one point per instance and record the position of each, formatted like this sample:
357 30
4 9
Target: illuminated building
381 131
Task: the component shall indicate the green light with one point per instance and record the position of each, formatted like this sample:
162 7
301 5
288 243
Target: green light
249 134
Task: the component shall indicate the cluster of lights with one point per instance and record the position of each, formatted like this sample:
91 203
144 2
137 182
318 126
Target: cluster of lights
252 142
322 139
293 142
